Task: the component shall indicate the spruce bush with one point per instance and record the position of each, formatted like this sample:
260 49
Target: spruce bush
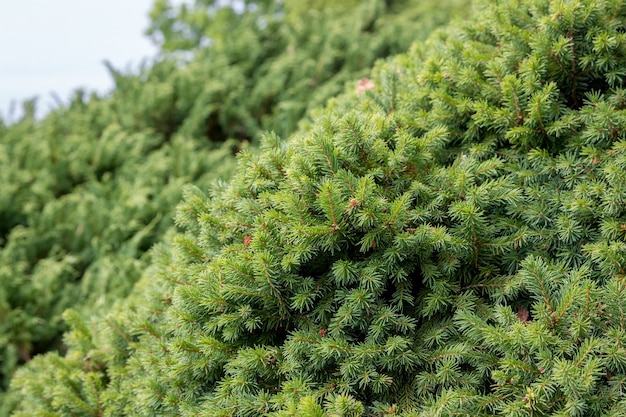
449 241
90 188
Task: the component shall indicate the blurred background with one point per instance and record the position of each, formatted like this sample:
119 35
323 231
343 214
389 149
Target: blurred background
51 48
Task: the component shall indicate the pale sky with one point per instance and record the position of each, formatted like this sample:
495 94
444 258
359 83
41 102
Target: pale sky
60 45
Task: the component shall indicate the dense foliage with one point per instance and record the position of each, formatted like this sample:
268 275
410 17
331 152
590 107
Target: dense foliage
90 188
452 242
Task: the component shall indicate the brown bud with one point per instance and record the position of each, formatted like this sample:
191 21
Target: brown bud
523 314
364 85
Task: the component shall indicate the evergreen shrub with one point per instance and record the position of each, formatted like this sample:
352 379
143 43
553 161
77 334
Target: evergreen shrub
450 242
90 188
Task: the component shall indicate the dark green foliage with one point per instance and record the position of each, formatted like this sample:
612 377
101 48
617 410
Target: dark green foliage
89 189
452 242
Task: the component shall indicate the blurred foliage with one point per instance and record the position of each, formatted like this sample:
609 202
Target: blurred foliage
277 60
85 192
80 204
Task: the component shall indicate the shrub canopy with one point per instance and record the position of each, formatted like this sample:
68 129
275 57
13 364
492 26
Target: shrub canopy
90 188
451 242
